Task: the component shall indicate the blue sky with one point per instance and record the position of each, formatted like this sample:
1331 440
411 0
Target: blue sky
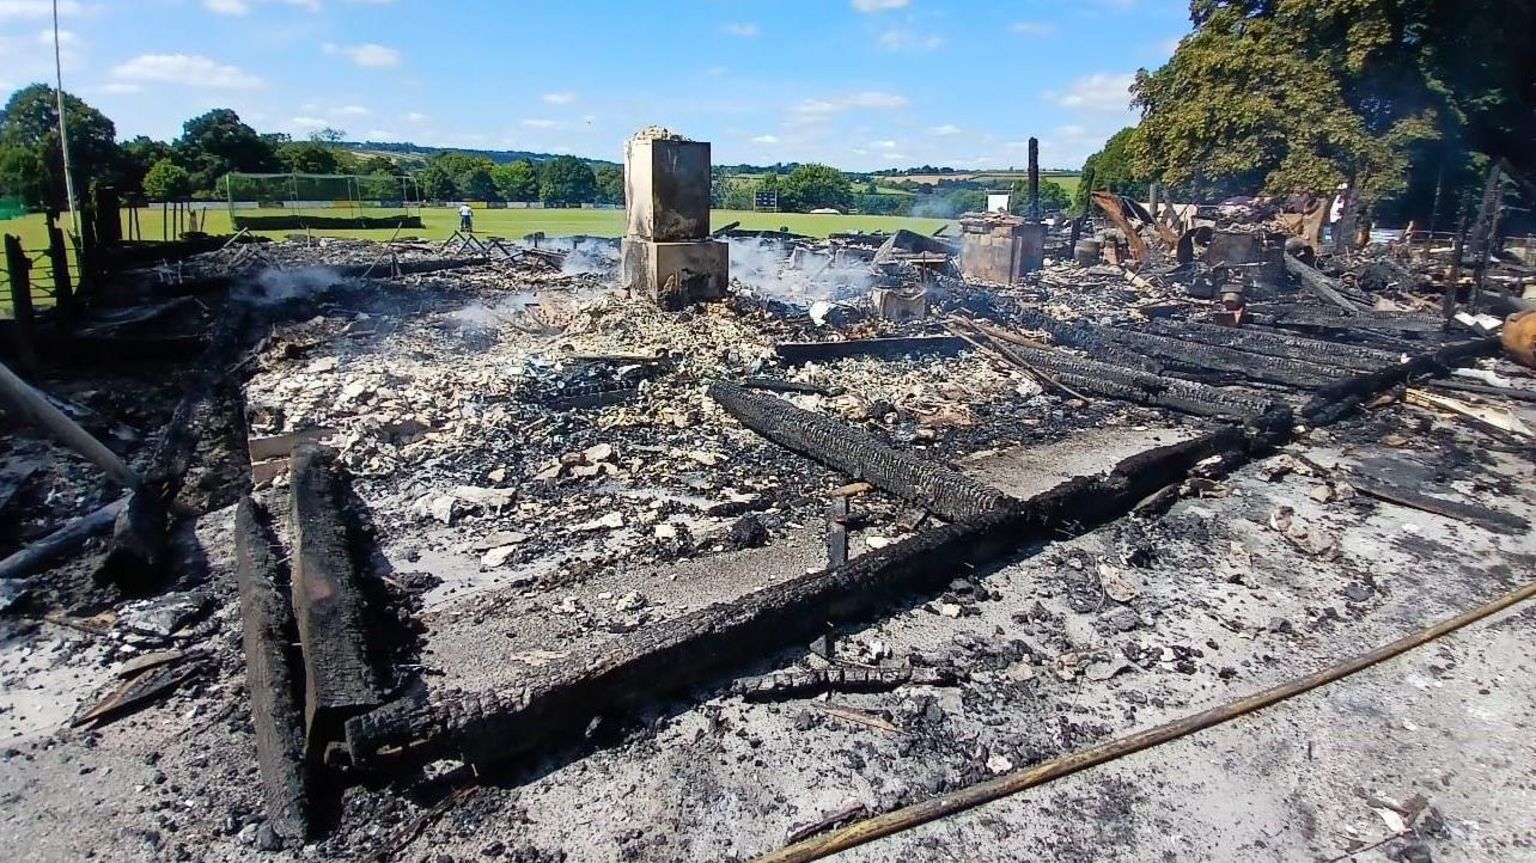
861 84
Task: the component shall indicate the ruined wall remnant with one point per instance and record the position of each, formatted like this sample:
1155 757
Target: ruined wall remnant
1000 248
666 253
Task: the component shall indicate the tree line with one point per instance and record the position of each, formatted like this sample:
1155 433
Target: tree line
1409 102
218 143
811 186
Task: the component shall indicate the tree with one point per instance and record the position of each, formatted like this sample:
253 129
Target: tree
167 181
1053 198
437 184
216 143
136 157
30 121
567 180
518 181
813 186
308 157
379 166
610 185
23 172
1113 168
719 186
477 185
740 197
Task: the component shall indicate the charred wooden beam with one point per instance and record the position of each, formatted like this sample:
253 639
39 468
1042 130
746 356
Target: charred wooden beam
796 353
1328 319
1335 402
267 630
1482 516
1183 355
782 386
1318 284
803 682
57 545
948 494
328 601
554 702
1143 387
1352 357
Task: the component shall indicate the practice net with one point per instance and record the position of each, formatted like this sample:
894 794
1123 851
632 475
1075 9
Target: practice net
275 202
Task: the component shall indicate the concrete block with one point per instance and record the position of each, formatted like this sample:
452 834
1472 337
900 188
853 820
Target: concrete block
666 187
1001 251
675 275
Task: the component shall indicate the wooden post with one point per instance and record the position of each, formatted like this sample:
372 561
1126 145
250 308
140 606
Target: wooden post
1077 223
1034 179
58 257
20 271
31 405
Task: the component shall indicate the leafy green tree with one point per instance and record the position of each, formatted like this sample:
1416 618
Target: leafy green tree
814 186
1053 198
610 185
567 180
477 185
378 166
1114 168
135 158
740 196
23 172
719 186
216 143
437 184
308 157
517 181
30 121
167 181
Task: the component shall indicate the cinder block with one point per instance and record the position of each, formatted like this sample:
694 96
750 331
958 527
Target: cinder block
675 275
666 188
1001 251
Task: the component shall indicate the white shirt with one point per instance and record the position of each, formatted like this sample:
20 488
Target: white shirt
466 211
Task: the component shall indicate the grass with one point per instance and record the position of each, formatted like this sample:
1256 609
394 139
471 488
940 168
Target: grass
514 224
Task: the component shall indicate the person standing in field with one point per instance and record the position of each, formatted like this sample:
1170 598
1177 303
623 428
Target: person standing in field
466 218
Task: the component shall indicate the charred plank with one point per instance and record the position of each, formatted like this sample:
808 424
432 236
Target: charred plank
267 629
841 447
796 353
1337 401
328 602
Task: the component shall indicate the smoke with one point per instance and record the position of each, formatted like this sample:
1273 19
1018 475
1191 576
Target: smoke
767 269
275 286
479 316
585 255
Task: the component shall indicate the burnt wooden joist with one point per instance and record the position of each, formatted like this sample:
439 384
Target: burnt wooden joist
1333 403
796 353
553 703
1203 357
328 602
949 494
268 631
1141 387
1345 356
1320 318
1319 285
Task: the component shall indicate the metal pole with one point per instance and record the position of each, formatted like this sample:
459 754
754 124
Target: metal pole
58 92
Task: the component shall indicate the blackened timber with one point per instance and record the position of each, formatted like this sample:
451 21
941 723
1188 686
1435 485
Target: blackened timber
57 545
267 629
950 495
328 601
1328 319
1182 355
1318 284
1352 357
1143 387
551 704
805 682
796 353
1482 516
1335 402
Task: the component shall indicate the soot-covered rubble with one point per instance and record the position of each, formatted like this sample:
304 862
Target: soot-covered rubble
535 482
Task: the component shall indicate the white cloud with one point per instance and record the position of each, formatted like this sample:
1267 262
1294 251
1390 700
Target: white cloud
227 7
883 145
945 130
380 134
542 124
308 123
879 5
416 117
118 88
192 70
766 139
67 38
870 99
37 10
896 39
1032 28
1101 92
561 98
745 31
367 55
351 111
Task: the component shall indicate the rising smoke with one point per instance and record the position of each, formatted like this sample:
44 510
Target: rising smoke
274 286
765 269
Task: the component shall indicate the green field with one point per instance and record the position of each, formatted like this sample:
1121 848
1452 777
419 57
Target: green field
514 224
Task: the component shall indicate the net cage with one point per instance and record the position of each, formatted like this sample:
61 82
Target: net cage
265 202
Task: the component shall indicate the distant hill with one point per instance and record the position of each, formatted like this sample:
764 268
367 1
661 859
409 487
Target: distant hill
418 154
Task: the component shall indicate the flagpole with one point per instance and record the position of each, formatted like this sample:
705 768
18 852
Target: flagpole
58 70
